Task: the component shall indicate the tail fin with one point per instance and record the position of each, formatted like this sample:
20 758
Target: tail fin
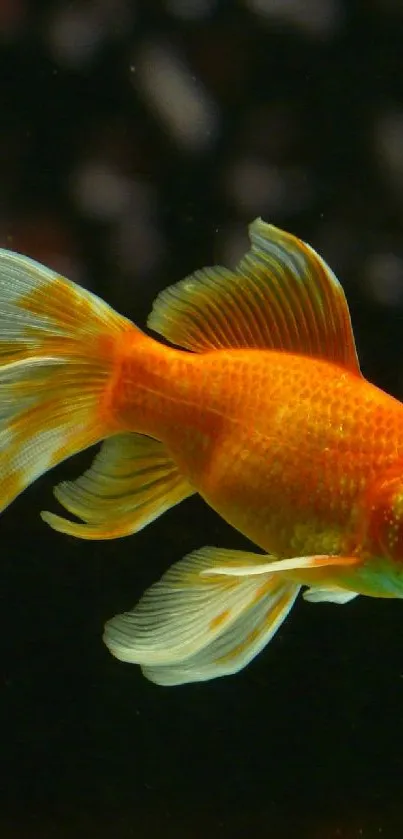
56 358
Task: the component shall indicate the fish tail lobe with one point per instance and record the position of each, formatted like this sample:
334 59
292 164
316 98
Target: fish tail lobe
58 345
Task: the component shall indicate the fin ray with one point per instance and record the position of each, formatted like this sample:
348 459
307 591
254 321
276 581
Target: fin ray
280 566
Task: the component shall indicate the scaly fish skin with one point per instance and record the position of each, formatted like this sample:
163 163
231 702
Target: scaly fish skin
288 449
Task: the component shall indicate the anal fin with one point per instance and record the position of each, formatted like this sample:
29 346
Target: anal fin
131 482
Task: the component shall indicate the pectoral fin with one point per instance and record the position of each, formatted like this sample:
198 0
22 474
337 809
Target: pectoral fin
332 594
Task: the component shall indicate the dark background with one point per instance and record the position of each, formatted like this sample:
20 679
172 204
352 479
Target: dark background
137 141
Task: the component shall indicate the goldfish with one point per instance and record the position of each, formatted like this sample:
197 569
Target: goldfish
255 401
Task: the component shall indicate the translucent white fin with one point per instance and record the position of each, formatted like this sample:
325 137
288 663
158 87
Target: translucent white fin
131 482
56 358
237 646
187 611
329 595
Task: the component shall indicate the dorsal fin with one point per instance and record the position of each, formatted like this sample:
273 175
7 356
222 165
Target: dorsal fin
281 296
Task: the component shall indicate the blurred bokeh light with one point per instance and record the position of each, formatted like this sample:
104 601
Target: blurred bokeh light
144 132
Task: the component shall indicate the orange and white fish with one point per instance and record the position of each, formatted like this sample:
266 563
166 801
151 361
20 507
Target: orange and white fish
263 411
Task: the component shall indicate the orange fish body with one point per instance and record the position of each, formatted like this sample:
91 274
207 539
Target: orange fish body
290 450
263 411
